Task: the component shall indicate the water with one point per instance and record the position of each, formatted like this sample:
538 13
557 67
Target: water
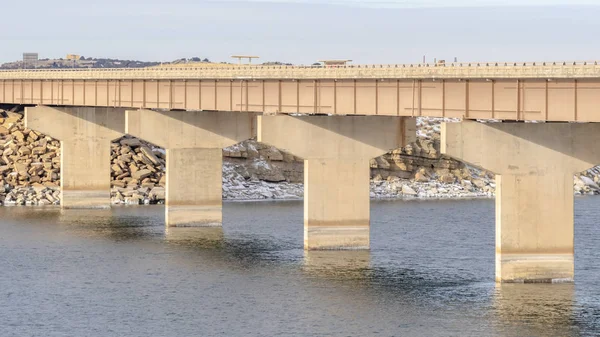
430 272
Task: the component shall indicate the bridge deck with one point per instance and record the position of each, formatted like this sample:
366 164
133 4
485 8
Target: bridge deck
516 91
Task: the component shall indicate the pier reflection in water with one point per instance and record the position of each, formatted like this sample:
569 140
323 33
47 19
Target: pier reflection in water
117 223
120 272
338 264
535 309
204 237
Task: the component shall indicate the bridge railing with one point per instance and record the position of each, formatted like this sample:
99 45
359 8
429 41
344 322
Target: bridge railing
588 69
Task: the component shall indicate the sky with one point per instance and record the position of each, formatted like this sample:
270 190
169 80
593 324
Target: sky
304 31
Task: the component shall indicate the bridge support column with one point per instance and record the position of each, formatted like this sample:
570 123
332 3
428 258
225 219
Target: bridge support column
535 164
194 191
336 152
85 135
194 141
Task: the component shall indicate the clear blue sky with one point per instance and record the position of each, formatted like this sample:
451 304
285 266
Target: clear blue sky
367 31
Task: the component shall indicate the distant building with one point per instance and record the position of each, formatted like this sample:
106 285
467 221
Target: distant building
334 63
240 57
30 60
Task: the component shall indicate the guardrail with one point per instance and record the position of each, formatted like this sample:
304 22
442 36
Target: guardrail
486 70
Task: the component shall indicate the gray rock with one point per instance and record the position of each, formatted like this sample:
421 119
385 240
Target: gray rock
407 190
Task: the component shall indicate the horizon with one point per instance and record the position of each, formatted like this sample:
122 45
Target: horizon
278 30
427 4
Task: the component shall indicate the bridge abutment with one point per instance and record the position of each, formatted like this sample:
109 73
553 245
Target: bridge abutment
336 152
193 141
534 165
85 134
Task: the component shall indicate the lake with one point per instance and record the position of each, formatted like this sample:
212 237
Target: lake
430 272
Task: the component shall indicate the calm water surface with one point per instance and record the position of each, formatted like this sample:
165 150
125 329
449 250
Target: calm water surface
430 272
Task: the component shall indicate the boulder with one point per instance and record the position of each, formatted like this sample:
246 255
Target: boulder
133 168
157 193
382 163
38 187
287 157
422 175
12 117
125 158
19 136
271 153
262 170
148 157
141 174
589 182
130 142
479 183
38 150
407 190
447 178
21 168
116 170
118 183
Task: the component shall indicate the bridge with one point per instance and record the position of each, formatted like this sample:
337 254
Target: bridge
337 119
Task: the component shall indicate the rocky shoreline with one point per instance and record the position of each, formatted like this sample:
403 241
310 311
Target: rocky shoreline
30 170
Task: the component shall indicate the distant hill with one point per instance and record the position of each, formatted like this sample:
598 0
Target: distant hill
84 63
95 63
81 63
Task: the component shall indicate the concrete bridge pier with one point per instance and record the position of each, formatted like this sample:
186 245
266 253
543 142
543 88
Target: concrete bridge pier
535 164
336 152
85 134
193 141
